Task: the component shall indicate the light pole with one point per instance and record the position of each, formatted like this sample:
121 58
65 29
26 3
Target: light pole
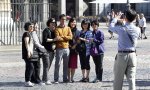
128 5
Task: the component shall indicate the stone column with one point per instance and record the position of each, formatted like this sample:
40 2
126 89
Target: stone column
5 8
45 10
26 11
79 8
61 7
95 9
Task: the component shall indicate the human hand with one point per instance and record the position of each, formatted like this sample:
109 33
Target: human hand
73 47
53 46
58 38
55 39
29 55
91 39
78 41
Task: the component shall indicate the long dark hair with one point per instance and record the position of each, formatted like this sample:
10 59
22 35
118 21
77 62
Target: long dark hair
70 21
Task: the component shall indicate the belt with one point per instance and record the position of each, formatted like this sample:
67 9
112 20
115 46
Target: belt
126 51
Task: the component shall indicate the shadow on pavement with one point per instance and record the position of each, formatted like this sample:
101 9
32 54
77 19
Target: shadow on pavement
11 84
143 82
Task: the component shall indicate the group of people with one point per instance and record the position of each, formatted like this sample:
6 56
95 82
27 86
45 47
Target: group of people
65 42
140 22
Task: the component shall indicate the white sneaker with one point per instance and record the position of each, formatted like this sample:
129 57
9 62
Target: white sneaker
95 80
42 83
48 83
56 82
29 84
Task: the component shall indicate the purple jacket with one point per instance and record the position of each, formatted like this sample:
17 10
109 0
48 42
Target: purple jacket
99 41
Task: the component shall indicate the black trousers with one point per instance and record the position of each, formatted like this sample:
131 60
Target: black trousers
98 61
46 65
36 74
84 61
29 69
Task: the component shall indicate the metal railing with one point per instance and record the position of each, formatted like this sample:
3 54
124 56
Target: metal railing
14 15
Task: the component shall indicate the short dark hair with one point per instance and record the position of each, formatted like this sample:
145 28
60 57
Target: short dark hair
51 20
85 21
130 15
95 22
26 26
62 15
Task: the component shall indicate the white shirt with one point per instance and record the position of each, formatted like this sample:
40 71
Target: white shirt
142 22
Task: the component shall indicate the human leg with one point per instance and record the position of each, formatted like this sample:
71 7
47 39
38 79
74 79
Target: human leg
82 57
119 70
51 58
28 73
45 59
59 54
72 74
98 60
144 28
72 65
100 66
36 75
131 71
29 70
87 65
65 64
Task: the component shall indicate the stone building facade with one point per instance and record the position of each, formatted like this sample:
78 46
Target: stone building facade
41 10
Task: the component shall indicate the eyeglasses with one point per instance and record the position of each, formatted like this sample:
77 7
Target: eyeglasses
31 26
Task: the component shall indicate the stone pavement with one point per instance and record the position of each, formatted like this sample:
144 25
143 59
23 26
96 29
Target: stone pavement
12 68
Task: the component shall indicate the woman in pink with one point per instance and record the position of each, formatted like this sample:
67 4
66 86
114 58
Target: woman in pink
73 53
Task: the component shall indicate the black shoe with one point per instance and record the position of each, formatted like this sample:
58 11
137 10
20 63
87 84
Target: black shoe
110 38
87 80
71 81
83 80
145 38
95 80
65 81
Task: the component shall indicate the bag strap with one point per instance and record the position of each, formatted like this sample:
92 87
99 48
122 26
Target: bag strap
129 36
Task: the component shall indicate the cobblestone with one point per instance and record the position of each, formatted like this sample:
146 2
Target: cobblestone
12 68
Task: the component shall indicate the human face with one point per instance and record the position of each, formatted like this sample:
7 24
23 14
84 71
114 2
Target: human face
31 27
36 27
73 24
52 26
85 26
62 20
95 27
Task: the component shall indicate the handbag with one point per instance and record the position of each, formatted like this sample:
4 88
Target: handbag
81 47
93 51
35 54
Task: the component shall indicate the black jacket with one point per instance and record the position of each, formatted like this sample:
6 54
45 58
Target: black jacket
47 33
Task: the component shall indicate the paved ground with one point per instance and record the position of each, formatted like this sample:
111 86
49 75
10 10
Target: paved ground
12 68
